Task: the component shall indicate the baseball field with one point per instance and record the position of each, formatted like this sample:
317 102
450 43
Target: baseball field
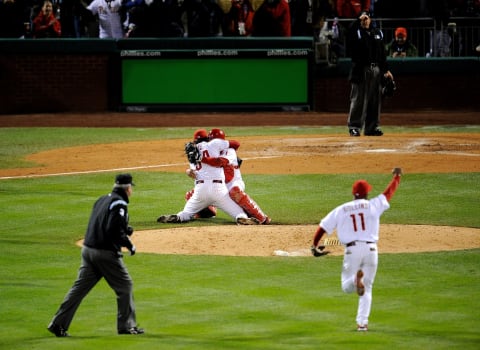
210 284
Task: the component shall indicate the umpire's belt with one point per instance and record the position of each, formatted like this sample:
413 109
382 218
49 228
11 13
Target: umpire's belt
351 244
203 181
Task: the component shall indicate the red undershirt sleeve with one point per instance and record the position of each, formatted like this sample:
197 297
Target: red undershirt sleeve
234 144
214 161
392 187
318 235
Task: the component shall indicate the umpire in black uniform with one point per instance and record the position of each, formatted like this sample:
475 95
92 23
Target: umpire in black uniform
108 231
369 66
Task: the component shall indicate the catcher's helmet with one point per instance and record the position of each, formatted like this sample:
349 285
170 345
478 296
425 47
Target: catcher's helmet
199 135
216 134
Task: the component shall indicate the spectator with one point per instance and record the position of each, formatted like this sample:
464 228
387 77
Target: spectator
400 46
154 18
204 18
272 18
45 24
137 20
369 66
73 18
303 14
109 17
239 20
13 19
351 8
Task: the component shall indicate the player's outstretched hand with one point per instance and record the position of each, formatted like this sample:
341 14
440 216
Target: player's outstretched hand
397 171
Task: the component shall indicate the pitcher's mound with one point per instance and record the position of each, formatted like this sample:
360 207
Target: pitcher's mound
233 240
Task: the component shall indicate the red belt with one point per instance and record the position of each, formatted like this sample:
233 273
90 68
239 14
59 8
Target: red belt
351 244
203 181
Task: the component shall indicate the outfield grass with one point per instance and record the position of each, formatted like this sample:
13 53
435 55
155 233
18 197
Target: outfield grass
428 300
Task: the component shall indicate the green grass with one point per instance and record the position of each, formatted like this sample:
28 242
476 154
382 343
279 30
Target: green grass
428 300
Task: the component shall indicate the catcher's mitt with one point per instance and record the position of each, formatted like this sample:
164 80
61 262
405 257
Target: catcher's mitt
388 87
318 251
192 153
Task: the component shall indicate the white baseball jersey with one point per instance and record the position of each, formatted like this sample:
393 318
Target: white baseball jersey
357 224
358 220
210 188
110 23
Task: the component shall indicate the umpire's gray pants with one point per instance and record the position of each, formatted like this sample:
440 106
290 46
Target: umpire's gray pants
98 263
365 101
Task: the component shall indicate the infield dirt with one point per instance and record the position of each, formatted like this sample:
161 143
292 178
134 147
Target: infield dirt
299 154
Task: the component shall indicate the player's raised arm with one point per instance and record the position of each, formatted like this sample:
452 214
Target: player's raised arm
392 187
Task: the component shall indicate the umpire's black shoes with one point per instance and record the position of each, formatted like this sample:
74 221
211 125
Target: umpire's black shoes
375 132
354 132
57 330
133 331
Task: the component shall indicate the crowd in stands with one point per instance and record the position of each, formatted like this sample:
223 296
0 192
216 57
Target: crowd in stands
228 18
203 18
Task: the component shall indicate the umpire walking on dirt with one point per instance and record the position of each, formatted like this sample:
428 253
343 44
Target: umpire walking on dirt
108 231
366 47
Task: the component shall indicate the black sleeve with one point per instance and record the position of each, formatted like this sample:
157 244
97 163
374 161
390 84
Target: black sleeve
382 53
117 225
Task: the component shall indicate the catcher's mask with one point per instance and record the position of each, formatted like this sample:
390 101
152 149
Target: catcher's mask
216 134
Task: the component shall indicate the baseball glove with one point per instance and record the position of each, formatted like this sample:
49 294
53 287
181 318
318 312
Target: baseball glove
192 153
388 87
318 251
397 171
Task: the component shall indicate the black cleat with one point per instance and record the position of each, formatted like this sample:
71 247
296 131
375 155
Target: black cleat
354 132
168 219
57 330
376 132
132 331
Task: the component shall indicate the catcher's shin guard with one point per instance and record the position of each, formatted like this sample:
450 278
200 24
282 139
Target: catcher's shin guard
248 205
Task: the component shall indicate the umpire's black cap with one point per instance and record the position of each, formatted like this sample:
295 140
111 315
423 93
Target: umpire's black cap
124 179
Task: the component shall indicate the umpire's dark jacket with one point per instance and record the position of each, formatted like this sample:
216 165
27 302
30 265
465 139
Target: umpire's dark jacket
365 47
108 225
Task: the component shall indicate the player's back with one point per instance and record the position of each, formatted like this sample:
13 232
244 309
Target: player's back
358 220
210 149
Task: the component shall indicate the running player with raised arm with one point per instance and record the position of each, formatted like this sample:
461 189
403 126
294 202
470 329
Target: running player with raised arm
357 224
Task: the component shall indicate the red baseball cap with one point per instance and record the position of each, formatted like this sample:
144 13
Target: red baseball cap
401 31
200 134
361 188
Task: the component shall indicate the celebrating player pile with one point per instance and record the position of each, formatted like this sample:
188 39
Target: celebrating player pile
218 183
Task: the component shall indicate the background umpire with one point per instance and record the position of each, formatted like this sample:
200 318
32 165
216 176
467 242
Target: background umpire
369 66
108 231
